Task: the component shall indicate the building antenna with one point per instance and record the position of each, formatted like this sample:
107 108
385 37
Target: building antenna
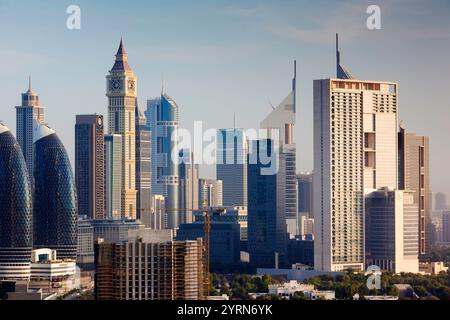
294 86
338 55
234 120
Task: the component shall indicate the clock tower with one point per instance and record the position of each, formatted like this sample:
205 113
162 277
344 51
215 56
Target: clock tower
121 93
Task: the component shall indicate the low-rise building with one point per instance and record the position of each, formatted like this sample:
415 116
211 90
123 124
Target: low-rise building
432 267
320 295
288 289
18 290
52 274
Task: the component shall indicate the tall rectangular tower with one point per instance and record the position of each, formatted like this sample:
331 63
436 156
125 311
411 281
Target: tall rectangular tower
113 176
231 165
355 149
143 166
121 93
89 165
26 114
414 172
162 117
188 183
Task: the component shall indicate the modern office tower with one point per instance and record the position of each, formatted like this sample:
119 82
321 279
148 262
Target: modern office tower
414 175
162 117
231 165
85 247
15 210
188 183
355 148
282 120
446 226
210 193
143 165
156 219
440 201
431 202
305 194
113 176
306 227
26 113
300 251
89 165
266 217
436 231
392 231
150 266
55 211
224 247
227 214
114 230
121 93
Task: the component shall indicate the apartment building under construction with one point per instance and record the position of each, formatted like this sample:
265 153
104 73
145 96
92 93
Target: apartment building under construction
150 267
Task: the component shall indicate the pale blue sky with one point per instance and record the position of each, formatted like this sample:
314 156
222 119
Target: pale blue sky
220 57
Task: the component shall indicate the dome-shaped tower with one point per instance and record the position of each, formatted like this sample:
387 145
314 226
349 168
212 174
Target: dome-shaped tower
55 201
15 210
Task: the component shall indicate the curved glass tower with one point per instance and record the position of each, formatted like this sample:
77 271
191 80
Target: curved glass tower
15 210
55 201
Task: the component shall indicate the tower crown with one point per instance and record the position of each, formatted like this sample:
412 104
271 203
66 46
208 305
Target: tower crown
121 63
30 98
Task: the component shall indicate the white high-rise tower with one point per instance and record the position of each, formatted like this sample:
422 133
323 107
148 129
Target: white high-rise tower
355 151
121 93
25 116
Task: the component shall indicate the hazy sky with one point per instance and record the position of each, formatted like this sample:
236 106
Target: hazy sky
220 57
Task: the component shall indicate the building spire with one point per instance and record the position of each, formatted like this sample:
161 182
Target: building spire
121 50
121 62
341 72
29 83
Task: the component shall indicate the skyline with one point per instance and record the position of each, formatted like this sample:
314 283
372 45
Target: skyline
186 62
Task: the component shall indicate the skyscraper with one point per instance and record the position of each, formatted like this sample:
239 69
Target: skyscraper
15 210
355 148
446 226
210 193
162 117
305 194
26 113
392 225
188 182
440 201
231 165
414 175
282 119
89 165
143 166
55 211
113 176
121 93
266 222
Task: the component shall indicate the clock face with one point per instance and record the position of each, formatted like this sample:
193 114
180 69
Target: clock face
99 121
131 85
115 85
